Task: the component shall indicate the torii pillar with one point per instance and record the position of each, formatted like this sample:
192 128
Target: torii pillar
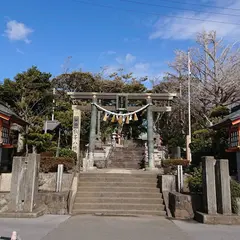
92 137
151 163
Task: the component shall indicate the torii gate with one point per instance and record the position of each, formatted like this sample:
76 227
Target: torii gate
155 102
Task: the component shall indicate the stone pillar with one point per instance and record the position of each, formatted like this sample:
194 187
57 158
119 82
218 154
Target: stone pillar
24 183
209 186
179 178
0 156
76 130
59 178
31 184
223 187
17 192
20 144
188 149
92 137
238 165
151 164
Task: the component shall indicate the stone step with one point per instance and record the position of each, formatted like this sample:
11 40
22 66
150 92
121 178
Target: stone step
125 166
117 184
117 180
128 200
127 155
118 189
108 212
119 206
99 194
139 175
124 159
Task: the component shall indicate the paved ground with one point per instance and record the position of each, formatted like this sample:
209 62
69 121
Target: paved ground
199 231
30 229
117 228
52 227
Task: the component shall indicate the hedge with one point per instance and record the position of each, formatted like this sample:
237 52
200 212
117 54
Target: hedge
175 162
50 164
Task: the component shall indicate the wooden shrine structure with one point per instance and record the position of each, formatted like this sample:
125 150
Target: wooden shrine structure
122 105
232 124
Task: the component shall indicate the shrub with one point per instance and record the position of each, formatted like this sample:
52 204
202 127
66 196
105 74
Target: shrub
175 162
66 152
50 164
170 166
195 181
235 193
47 154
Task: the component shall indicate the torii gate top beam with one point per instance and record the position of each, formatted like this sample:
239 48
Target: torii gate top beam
136 96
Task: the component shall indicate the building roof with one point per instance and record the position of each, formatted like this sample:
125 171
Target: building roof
4 109
227 120
51 125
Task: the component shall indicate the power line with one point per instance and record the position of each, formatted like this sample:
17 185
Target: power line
199 5
177 8
157 14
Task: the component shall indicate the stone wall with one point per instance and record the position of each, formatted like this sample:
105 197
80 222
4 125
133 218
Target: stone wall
184 206
5 182
47 181
167 183
55 203
4 199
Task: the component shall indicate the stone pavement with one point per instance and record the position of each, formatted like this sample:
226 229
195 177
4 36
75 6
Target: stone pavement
117 228
30 229
82 227
198 231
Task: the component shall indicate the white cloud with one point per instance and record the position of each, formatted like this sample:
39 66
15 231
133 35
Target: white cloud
107 53
128 59
17 31
183 28
19 51
142 67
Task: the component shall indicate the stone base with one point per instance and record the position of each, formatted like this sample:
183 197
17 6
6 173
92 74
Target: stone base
91 169
217 219
152 169
37 213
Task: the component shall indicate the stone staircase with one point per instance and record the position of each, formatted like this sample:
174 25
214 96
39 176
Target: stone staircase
131 157
118 194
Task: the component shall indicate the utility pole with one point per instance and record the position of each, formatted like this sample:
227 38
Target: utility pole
189 137
53 109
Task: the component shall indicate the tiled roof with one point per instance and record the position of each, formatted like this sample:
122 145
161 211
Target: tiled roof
4 109
228 119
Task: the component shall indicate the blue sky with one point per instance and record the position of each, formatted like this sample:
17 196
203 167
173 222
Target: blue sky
44 33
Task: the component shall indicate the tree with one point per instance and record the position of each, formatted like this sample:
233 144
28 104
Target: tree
29 95
215 85
215 74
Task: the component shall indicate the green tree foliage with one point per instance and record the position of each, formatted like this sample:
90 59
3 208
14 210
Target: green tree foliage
195 181
28 94
40 142
88 82
235 194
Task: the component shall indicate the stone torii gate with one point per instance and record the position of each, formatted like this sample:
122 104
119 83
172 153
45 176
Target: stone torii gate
88 101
